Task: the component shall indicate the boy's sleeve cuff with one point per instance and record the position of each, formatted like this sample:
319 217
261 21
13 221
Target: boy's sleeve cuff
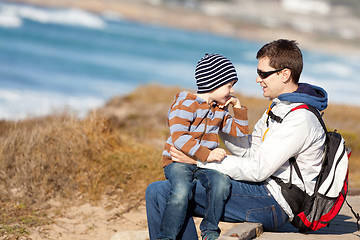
202 153
240 113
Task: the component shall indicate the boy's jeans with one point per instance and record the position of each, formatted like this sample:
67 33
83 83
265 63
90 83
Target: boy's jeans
181 176
250 202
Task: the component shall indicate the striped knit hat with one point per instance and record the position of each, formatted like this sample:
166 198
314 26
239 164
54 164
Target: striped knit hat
214 71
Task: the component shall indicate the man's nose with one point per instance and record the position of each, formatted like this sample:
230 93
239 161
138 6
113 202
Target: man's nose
258 79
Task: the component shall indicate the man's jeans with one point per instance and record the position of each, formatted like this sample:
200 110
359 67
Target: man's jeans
181 176
250 202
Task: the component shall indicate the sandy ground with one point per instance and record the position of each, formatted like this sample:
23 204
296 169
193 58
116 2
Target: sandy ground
107 220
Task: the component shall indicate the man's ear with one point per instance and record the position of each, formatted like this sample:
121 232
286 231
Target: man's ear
286 75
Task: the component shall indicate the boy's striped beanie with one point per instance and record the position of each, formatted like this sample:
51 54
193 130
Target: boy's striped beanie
213 71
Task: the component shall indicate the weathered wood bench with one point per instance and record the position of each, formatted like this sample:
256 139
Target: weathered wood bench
243 231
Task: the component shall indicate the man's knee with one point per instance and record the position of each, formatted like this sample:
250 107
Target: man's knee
157 190
151 190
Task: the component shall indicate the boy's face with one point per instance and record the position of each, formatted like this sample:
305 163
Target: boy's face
223 93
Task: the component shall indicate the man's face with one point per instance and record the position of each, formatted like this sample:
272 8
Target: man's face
272 85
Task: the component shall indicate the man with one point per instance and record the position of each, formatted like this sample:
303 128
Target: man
255 196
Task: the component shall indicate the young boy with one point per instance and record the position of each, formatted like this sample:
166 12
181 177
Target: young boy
194 121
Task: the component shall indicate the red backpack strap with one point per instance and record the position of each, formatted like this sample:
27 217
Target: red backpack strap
279 119
300 107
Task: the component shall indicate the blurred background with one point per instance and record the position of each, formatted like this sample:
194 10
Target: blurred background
76 55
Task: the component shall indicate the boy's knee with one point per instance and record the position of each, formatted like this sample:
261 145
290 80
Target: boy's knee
222 181
222 186
182 191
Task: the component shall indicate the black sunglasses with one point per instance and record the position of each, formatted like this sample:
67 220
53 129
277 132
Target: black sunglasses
264 75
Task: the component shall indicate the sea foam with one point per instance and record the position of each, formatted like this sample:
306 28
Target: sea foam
11 15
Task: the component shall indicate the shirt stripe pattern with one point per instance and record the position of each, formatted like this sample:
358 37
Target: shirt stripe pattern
188 118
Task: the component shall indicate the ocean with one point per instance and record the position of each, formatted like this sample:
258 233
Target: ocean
56 59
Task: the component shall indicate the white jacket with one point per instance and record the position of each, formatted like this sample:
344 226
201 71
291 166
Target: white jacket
266 152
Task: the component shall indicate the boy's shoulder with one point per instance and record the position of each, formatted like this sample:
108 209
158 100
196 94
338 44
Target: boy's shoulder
187 98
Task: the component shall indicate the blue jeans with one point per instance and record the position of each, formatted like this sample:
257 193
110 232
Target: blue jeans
181 177
250 202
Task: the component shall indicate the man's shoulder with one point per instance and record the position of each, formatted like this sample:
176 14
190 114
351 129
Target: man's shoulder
282 108
303 117
295 112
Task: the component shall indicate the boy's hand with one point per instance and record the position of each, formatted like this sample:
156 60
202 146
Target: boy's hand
217 154
233 101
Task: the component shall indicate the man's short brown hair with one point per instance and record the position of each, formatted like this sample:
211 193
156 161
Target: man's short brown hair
283 53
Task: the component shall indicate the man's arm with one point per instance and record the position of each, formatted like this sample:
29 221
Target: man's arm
282 141
244 146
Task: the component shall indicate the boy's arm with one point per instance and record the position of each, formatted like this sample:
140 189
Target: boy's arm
247 145
180 119
236 126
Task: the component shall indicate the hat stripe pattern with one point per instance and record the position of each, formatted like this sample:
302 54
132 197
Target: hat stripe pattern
214 71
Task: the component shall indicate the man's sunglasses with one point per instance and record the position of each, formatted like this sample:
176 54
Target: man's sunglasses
264 75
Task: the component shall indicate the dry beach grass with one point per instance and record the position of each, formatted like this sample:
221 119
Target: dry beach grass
67 178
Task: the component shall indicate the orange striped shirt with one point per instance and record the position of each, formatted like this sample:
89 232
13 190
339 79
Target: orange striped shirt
195 124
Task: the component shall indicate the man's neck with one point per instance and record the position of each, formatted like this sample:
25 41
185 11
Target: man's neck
294 87
290 88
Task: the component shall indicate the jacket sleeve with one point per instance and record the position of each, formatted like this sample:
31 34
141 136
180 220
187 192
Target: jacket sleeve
180 118
244 146
236 126
282 141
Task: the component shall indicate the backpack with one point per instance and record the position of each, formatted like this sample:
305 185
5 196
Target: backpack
316 211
